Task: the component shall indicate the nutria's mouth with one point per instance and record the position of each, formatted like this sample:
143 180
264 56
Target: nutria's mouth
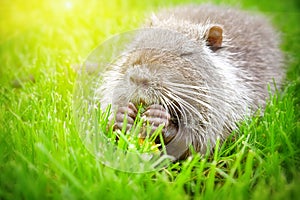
141 103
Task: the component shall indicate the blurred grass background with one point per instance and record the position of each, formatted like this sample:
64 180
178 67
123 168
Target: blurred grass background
41 155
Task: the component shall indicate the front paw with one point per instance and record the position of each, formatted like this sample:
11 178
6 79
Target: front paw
129 112
157 115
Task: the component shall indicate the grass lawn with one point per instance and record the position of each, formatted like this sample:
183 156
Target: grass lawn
41 154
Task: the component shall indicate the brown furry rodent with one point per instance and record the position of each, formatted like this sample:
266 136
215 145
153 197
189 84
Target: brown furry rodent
199 70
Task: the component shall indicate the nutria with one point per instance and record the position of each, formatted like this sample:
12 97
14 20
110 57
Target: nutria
198 70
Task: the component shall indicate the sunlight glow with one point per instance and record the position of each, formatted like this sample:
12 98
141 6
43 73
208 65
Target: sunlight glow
68 5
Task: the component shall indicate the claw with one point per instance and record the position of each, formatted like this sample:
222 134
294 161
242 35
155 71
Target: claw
157 115
130 112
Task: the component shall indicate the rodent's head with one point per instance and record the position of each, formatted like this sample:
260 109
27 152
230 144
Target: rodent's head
172 72
148 74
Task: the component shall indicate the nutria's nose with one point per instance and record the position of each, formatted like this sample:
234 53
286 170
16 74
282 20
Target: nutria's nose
143 81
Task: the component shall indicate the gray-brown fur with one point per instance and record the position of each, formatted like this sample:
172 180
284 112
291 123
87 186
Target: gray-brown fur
199 92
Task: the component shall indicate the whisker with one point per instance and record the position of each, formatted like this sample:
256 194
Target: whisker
185 106
176 109
201 90
201 94
180 85
202 103
217 92
170 105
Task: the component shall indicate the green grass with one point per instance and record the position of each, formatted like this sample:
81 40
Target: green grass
41 154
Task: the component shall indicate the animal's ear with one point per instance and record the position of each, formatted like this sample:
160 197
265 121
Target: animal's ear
214 37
